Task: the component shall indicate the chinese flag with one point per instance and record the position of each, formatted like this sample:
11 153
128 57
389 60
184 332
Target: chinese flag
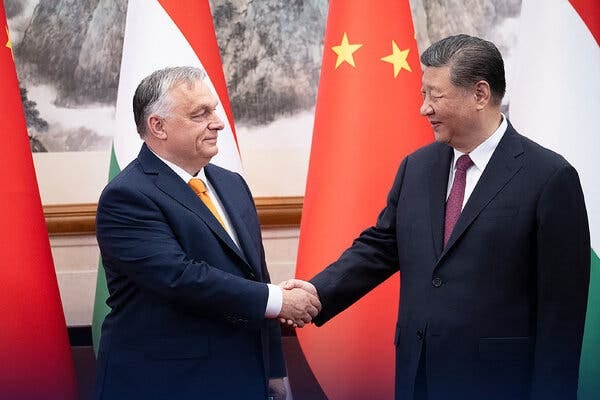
367 119
35 357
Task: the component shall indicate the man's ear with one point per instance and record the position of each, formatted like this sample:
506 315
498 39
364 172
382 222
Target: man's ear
483 94
156 127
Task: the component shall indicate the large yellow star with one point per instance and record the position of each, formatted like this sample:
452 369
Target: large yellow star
344 51
398 59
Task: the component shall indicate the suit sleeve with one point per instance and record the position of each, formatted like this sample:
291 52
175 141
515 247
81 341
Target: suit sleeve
136 242
372 258
277 367
563 272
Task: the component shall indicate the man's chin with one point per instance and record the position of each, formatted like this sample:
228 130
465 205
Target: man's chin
213 150
207 154
440 137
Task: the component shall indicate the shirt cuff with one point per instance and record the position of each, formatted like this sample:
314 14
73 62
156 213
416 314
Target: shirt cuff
274 302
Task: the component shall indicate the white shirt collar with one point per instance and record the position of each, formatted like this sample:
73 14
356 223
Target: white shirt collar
482 154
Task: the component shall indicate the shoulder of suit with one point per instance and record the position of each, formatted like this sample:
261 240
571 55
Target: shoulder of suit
541 155
128 177
432 150
215 168
219 172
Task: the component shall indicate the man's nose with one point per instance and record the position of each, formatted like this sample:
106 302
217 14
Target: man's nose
216 124
426 108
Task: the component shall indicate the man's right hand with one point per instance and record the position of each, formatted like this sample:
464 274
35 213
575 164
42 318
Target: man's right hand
299 306
300 284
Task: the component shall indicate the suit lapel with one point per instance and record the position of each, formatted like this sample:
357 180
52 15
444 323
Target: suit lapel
173 186
437 196
503 166
244 237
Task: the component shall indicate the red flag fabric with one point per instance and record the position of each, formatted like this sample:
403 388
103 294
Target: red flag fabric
202 38
367 119
35 357
589 11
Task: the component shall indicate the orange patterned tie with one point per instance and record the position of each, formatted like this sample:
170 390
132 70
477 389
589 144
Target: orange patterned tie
200 189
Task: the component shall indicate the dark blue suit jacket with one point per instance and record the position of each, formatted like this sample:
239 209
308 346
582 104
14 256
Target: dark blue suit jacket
502 307
187 305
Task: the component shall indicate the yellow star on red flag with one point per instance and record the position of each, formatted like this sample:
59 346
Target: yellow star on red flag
345 51
398 59
8 43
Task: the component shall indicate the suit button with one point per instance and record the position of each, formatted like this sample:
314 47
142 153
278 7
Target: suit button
420 334
436 282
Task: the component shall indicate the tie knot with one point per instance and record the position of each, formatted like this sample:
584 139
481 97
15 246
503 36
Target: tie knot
464 162
197 185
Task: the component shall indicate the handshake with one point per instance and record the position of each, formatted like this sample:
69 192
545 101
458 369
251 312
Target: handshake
300 302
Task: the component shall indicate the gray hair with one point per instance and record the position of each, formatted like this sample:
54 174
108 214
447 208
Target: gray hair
471 59
152 97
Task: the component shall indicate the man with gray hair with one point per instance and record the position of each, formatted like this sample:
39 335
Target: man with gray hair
193 315
489 232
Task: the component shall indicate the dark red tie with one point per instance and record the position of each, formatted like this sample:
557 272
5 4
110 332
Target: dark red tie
457 194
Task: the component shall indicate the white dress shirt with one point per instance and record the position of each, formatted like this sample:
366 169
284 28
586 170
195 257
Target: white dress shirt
275 299
480 156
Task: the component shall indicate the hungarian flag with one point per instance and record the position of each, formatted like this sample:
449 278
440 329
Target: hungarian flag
160 34
554 100
35 357
367 120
